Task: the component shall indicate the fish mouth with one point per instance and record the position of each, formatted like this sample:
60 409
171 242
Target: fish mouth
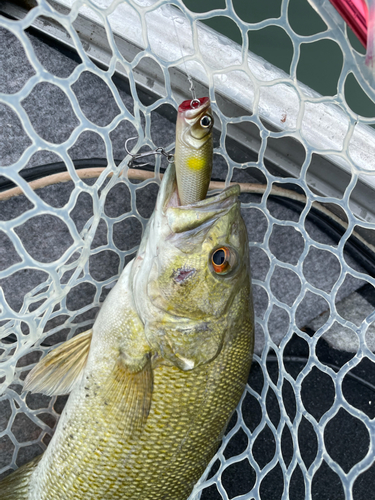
186 217
168 194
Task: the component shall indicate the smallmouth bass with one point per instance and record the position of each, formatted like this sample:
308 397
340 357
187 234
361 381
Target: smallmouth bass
154 383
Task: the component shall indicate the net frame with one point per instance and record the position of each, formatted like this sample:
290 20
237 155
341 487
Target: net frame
344 153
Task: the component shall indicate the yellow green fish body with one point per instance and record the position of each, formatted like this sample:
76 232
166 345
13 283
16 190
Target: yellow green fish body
158 379
194 149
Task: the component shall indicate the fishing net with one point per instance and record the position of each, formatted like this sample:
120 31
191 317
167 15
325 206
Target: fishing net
302 430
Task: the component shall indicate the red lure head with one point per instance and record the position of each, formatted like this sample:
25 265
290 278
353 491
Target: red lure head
191 104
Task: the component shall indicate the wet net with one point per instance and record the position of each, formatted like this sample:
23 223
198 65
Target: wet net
78 80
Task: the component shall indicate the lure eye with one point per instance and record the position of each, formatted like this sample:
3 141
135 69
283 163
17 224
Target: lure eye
206 121
223 260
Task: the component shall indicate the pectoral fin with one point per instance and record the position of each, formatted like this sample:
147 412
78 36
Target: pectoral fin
62 368
129 393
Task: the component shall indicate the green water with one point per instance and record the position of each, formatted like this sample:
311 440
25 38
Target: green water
320 62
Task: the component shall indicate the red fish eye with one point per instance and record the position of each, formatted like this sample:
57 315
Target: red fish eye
220 260
206 121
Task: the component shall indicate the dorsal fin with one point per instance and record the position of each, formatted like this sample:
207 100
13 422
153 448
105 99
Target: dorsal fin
62 368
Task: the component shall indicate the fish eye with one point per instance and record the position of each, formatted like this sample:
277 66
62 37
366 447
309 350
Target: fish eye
206 121
223 260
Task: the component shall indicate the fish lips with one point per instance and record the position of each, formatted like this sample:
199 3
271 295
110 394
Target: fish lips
186 226
189 217
183 218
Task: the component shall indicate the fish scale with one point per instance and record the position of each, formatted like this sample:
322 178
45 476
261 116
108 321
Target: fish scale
155 382
169 434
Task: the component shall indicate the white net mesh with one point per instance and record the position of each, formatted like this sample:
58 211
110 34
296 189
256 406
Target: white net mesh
301 428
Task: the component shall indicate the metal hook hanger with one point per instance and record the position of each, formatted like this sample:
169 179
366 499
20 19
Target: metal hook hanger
157 151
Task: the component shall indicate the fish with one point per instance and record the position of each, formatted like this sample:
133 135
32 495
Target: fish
156 380
194 149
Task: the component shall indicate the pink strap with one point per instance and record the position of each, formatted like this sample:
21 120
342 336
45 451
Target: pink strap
354 13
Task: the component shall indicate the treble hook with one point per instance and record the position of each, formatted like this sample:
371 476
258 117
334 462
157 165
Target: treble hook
157 151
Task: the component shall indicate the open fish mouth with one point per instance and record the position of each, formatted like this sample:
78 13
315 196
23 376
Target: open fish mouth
183 218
